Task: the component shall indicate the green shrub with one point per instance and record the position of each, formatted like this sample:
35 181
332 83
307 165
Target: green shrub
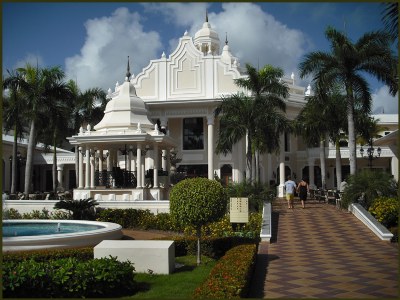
367 185
44 255
386 211
11 214
230 277
82 209
68 277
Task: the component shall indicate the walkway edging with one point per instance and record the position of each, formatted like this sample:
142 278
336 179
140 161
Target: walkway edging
364 216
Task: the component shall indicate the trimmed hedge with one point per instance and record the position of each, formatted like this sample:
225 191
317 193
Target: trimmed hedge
230 277
211 247
44 255
68 278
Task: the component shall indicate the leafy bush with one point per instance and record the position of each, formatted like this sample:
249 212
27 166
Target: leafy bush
223 228
44 255
197 202
11 214
256 192
231 276
386 211
68 277
81 209
366 186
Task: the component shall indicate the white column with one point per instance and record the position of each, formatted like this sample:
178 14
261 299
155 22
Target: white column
210 148
311 173
100 160
156 166
60 168
139 166
92 169
109 167
87 171
164 160
281 167
143 170
80 176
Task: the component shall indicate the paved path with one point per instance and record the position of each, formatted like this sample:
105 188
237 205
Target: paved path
322 252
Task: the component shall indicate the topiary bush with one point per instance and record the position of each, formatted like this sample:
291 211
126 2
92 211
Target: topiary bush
367 185
197 202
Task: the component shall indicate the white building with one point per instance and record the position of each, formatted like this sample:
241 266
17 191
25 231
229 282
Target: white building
181 91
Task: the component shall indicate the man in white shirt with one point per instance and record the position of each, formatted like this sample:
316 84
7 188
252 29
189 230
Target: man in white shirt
290 187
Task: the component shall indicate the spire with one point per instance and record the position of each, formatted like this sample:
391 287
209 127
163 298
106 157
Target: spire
206 16
128 71
226 38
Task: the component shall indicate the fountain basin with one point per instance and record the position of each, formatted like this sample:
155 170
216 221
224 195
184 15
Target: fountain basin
98 232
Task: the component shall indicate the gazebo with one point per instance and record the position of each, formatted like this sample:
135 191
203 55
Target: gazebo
120 158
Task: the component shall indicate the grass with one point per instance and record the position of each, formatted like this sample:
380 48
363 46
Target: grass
180 284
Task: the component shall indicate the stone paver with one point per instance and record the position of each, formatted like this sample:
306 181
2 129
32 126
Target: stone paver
322 252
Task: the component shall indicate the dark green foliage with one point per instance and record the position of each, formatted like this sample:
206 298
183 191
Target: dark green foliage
386 211
368 185
256 192
81 209
230 277
197 201
68 278
44 255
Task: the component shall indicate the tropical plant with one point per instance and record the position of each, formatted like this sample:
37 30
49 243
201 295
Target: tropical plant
368 185
38 85
259 118
197 202
390 19
346 65
81 209
13 117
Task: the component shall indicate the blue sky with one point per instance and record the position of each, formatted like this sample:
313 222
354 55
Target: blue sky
91 41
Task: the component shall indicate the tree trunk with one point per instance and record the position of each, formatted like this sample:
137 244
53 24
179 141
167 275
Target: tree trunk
14 163
338 165
198 245
55 179
29 159
322 161
352 135
249 158
257 166
253 168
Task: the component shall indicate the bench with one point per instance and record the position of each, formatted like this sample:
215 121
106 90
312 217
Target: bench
148 256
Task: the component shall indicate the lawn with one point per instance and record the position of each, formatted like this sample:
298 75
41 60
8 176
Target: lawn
180 284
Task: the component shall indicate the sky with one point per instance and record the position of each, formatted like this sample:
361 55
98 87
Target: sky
91 40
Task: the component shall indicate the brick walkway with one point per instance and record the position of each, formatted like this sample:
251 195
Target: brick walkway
322 252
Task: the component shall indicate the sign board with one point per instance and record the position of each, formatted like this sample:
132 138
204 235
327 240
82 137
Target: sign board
239 210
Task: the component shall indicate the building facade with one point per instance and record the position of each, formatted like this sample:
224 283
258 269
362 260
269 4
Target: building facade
180 93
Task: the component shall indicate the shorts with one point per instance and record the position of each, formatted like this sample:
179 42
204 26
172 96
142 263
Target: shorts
289 196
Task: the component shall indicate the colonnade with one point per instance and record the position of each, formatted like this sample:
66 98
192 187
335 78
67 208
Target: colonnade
92 159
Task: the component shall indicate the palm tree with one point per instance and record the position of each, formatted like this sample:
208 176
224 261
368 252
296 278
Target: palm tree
13 110
258 118
36 87
58 110
390 19
345 66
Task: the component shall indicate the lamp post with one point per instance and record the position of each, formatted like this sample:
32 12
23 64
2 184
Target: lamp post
370 153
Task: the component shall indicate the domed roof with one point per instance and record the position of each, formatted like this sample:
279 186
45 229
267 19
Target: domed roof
207 36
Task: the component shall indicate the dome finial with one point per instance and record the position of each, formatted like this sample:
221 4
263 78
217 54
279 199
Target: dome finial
206 16
226 38
128 71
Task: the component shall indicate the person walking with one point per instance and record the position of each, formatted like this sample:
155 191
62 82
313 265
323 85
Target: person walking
302 190
290 187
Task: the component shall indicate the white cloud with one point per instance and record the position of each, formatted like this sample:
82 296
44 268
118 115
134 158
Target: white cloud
254 35
103 57
381 99
30 58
